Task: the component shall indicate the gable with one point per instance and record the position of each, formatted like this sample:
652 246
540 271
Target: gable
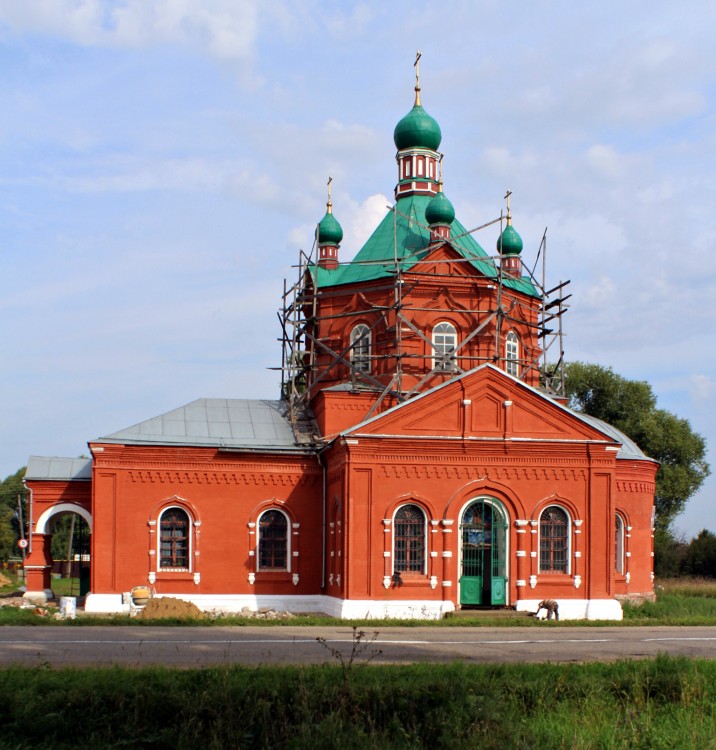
484 402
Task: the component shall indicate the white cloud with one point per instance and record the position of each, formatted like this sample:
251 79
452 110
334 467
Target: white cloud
225 28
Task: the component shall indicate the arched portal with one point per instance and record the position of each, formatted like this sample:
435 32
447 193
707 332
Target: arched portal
60 547
483 553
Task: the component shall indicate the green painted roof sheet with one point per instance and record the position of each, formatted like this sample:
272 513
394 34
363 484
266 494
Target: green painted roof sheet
403 233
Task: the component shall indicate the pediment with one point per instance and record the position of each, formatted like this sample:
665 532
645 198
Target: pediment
482 403
441 260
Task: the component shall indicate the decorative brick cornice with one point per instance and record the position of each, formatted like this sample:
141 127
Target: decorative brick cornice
272 477
635 487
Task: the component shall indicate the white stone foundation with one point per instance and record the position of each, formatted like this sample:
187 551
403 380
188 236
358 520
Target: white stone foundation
233 604
578 609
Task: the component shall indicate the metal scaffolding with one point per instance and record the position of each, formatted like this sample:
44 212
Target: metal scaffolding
307 359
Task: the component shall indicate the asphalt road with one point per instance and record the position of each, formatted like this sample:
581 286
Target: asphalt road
201 647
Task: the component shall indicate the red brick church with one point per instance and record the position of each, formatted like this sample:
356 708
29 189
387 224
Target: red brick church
419 459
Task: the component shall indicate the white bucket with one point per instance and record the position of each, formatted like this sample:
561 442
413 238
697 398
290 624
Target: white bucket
68 607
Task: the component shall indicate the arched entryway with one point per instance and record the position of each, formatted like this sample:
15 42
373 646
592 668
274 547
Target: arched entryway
484 524
70 560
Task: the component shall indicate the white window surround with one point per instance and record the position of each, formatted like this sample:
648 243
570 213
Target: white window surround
568 550
361 346
512 354
289 555
190 540
619 547
425 537
444 340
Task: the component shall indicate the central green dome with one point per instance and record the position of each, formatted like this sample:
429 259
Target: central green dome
417 130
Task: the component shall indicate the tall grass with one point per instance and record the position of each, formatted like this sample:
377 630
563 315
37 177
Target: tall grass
661 703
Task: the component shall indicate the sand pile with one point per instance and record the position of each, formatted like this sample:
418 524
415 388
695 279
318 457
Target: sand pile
160 607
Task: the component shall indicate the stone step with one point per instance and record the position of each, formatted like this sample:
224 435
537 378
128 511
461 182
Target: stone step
505 613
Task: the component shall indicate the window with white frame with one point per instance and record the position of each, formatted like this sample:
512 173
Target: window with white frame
554 540
512 354
360 351
619 544
409 529
444 346
174 539
273 541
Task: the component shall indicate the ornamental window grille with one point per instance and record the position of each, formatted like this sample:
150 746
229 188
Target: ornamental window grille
273 541
554 541
360 351
444 346
512 354
409 540
619 544
174 539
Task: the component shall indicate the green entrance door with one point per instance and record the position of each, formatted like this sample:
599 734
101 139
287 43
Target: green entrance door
483 574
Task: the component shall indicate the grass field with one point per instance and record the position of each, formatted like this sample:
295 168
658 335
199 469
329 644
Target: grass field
649 704
654 704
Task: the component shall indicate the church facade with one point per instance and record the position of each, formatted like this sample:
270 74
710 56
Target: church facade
419 459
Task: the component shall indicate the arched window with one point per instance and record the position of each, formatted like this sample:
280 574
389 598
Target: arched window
409 540
619 544
512 354
444 346
273 541
174 538
554 541
360 352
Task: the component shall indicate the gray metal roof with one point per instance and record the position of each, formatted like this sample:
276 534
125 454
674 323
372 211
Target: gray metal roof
60 469
215 422
629 449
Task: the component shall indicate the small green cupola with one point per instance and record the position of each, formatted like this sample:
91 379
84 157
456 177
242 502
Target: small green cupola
509 242
329 235
439 210
509 245
330 231
440 214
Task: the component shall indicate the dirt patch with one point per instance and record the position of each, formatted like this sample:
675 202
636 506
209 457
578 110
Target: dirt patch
161 607
4 580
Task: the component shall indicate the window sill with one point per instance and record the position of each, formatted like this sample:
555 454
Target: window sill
274 575
175 575
412 580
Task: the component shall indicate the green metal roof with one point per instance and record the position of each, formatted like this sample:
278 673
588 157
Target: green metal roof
403 234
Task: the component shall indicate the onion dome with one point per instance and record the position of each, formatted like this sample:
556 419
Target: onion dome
509 242
417 129
439 210
330 231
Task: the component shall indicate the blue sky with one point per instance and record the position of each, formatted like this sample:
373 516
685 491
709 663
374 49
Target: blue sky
162 162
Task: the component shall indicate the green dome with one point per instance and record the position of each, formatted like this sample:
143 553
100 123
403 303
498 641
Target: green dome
417 130
330 231
439 210
509 242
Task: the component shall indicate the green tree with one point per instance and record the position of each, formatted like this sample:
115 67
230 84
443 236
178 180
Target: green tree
700 557
630 406
10 489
